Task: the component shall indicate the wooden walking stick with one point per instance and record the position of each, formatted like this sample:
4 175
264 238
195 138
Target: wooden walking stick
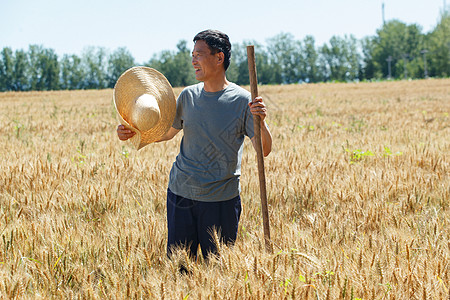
259 150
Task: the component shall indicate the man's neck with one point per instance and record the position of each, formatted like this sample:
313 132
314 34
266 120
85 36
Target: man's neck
216 85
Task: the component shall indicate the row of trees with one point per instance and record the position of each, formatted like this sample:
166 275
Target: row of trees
398 50
40 69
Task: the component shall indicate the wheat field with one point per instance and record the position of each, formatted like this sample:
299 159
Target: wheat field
358 190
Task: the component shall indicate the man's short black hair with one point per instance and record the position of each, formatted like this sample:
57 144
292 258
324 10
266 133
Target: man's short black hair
217 42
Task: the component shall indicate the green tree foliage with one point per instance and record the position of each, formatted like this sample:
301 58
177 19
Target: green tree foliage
20 82
43 68
341 59
94 62
14 70
240 64
6 69
176 66
284 51
119 61
72 73
402 43
368 65
408 51
263 65
238 70
439 48
310 65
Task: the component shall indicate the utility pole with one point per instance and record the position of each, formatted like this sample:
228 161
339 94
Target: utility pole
382 12
405 56
424 52
389 59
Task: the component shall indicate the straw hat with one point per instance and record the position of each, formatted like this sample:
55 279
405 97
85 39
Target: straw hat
145 103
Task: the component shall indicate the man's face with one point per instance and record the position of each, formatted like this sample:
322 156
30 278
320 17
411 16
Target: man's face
206 65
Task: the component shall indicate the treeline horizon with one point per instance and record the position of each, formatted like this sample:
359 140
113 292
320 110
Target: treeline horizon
397 51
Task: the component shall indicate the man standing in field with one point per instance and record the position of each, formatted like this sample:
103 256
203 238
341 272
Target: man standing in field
215 115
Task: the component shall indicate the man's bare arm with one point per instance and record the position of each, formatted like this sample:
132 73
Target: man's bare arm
257 107
168 135
125 134
266 139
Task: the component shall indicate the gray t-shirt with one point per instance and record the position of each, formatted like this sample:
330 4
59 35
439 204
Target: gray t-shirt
214 126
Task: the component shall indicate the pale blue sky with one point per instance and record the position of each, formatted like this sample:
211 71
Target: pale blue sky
148 27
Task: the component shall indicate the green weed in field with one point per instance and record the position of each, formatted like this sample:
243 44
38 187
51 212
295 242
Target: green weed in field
358 155
388 152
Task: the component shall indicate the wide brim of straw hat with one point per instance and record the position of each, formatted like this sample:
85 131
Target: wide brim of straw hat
132 84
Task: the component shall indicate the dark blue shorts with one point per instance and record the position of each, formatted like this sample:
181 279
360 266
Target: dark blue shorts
191 222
